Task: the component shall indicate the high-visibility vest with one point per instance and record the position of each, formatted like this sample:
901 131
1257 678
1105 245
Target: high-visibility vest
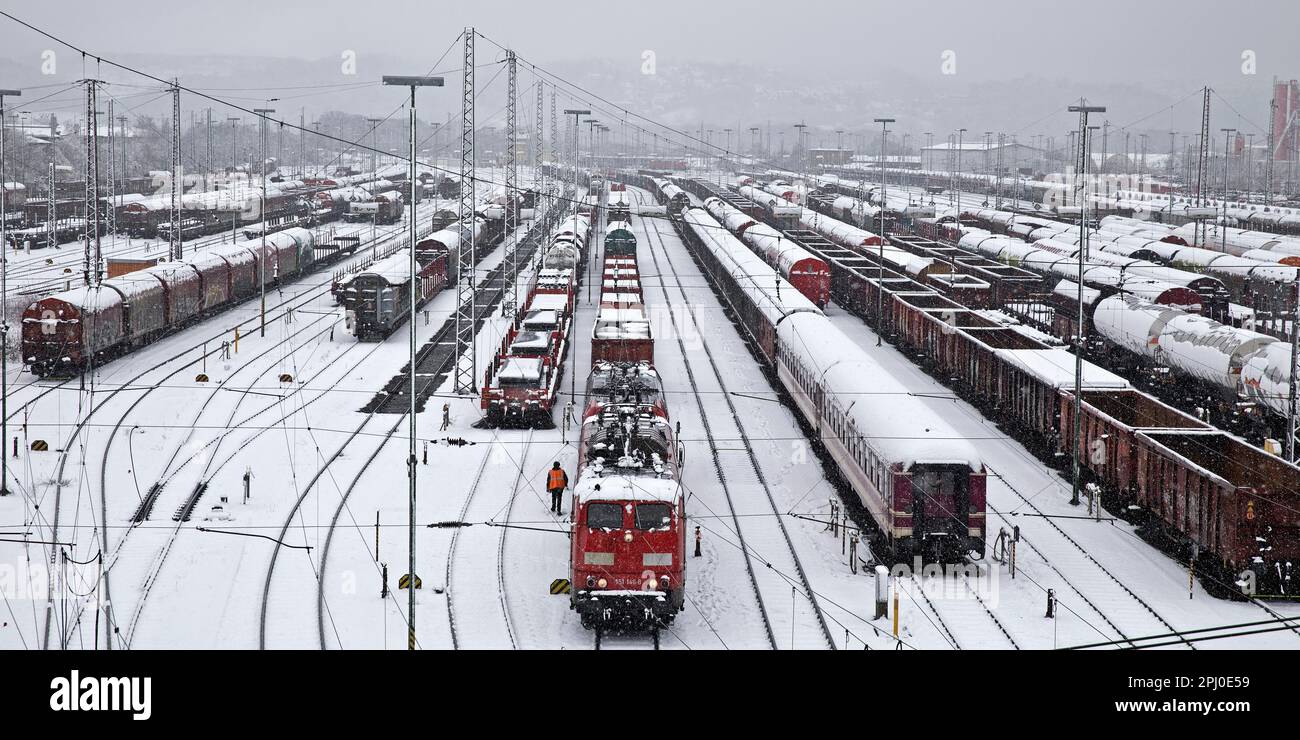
555 479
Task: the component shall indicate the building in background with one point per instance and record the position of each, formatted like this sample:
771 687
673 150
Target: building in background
943 157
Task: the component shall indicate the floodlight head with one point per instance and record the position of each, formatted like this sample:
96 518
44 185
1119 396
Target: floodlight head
412 81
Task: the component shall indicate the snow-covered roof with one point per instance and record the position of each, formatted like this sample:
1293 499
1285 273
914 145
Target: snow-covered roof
541 318
549 302
530 341
1055 367
521 370
394 269
901 427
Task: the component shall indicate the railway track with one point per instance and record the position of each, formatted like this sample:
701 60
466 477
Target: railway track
963 605
312 292
775 572
475 509
207 451
187 506
1099 577
82 424
433 362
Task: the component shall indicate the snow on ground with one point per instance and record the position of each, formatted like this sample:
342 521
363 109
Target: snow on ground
181 587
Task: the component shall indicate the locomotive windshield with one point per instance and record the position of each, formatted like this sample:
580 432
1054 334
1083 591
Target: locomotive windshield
604 516
653 516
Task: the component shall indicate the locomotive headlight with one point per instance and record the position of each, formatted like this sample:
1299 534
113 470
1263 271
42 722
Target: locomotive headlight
591 581
627 536
602 583
664 581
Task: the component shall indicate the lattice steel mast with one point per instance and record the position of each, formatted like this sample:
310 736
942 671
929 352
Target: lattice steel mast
175 235
509 287
466 344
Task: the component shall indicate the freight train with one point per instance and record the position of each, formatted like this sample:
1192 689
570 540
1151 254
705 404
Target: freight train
377 299
1193 490
64 333
521 384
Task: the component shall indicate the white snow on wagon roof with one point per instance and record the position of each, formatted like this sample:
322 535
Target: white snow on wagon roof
549 302
521 369
1055 367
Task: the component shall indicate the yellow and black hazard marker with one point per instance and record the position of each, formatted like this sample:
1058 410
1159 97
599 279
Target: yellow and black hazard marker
405 581
561 586
201 378
40 445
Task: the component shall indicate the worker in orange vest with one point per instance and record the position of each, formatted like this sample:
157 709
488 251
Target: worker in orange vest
556 482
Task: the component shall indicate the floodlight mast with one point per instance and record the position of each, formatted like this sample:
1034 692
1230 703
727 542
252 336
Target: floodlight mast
412 83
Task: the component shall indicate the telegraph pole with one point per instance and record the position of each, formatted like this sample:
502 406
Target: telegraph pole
207 165
174 238
1272 133
261 261
412 82
374 164
1082 173
4 301
1223 227
880 293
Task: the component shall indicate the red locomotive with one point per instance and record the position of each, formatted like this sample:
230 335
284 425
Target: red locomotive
629 508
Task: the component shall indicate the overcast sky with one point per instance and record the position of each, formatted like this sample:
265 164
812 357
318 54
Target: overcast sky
993 39
831 63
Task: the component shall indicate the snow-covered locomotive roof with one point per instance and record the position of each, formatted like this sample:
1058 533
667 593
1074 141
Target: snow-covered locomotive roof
620 488
530 341
394 269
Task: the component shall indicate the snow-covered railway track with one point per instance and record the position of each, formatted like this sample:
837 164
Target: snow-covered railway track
276 311
781 588
1124 606
188 358
433 363
487 620
962 605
